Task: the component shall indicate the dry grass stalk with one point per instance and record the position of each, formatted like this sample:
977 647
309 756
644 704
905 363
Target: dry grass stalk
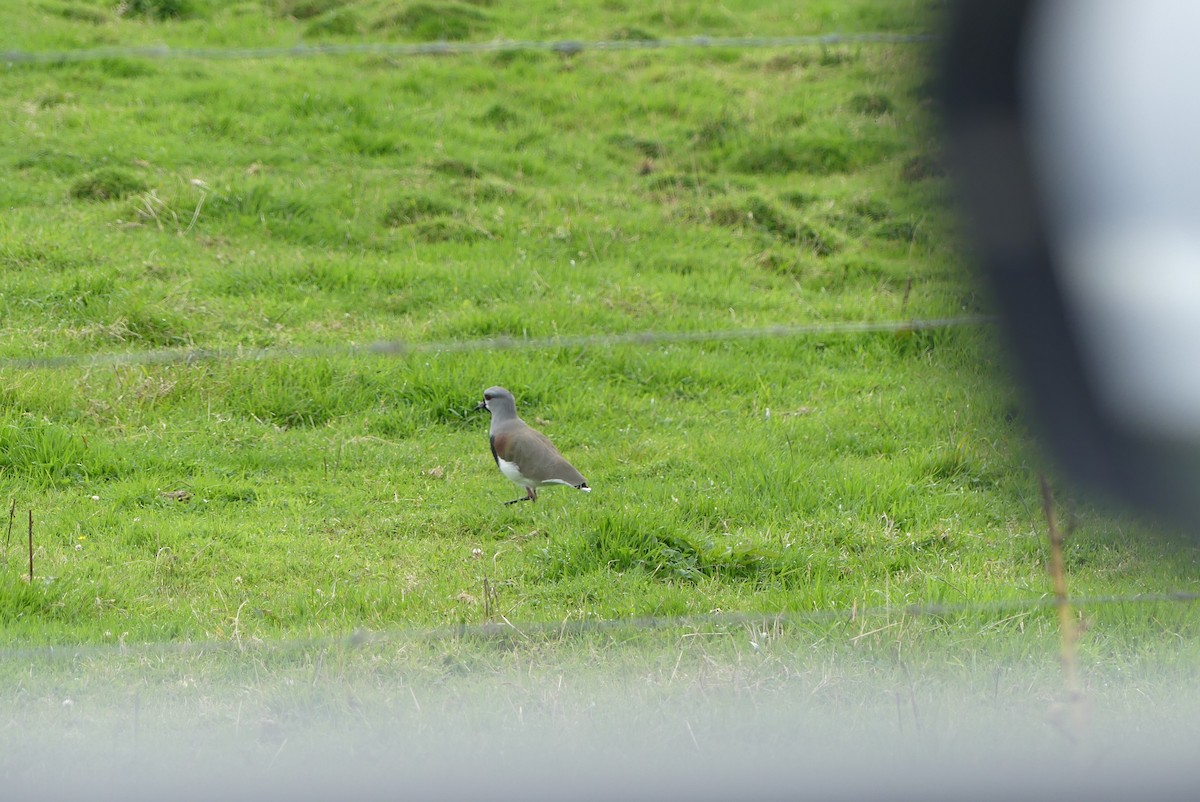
1072 714
12 511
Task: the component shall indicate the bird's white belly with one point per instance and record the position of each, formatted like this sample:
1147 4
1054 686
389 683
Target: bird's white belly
511 470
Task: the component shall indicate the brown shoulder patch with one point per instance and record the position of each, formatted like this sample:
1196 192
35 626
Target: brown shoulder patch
499 443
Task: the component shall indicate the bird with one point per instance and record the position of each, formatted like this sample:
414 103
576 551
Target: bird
522 453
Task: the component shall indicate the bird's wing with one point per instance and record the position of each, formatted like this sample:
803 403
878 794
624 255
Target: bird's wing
539 460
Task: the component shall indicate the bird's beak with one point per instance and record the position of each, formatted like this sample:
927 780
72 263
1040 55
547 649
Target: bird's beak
481 405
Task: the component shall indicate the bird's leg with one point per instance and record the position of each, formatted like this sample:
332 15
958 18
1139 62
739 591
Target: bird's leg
530 495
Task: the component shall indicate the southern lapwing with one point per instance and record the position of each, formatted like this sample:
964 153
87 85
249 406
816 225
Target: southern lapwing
524 454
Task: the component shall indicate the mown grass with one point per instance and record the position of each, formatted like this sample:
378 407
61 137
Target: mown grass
324 203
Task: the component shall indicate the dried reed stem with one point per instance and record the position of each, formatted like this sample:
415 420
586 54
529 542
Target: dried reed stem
1072 714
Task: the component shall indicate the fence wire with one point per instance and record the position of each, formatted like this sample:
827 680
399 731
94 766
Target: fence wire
410 50
501 628
170 356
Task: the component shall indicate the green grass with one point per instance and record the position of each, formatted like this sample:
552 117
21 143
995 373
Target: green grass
321 203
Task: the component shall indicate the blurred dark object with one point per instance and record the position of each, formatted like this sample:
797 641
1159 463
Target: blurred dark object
1060 130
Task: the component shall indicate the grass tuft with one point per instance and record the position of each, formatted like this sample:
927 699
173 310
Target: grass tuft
871 105
76 12
307 9
632 34
157 9
436 22
756 213
417 209
53 162
49 455
500 117
810 157
337 22
921 167
105 184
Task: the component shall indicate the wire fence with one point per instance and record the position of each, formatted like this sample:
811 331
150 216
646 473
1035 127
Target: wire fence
410 50
401 348
502 628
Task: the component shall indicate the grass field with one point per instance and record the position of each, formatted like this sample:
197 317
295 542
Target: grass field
278 214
